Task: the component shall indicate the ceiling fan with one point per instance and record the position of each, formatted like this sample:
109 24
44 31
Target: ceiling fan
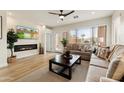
61 14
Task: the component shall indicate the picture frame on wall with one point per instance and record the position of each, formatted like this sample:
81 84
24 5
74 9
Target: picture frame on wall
0 27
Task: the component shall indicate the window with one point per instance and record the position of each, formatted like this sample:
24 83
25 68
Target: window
84 36
94 36
73 37
80 36
58 39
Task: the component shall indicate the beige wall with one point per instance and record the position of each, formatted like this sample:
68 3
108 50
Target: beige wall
87 24
121 34
118 27
13 22
3 42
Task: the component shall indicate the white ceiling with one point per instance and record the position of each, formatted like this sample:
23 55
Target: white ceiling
42 17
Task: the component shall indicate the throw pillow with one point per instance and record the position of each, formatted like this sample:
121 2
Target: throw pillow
119 73
117 51
116 68
98 51
104 52
112 67
87 48
112 50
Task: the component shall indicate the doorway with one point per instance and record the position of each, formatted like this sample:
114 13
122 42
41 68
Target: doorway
48 42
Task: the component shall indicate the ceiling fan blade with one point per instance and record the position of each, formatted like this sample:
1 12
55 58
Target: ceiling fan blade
68 13
53 13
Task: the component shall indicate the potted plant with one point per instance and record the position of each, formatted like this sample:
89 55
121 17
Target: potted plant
64 42
11 39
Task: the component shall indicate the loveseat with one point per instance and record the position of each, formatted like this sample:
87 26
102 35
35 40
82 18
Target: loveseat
81 49
107 70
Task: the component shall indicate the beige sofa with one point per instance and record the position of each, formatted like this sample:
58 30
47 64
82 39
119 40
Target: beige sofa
98 67
84 50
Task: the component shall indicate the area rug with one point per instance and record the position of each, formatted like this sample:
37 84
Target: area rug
79 73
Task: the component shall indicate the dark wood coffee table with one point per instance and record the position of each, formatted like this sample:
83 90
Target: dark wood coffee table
60 61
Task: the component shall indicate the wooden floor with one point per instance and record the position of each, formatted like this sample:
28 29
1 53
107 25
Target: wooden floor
23 67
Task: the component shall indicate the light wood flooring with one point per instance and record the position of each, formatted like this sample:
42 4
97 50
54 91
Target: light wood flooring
23 67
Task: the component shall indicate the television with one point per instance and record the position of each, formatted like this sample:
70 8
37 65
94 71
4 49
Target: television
25 32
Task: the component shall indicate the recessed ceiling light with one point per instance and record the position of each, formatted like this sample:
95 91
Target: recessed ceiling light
44 26
93 13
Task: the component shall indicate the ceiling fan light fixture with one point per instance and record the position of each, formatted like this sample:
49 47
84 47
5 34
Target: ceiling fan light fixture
61 17
43 26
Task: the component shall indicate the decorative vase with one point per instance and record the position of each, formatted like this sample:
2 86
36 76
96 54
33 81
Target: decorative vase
41 49
67 55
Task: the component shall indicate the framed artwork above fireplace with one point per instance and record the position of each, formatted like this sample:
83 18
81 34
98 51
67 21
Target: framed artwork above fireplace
26 32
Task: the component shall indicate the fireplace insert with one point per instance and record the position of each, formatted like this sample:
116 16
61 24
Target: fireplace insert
18 48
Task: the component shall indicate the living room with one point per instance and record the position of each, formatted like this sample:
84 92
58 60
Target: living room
101 28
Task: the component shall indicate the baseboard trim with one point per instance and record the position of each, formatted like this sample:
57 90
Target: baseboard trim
5 65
